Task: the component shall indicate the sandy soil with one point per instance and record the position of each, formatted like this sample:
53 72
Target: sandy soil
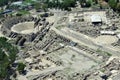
23 28
50 19
75 63
106 39
28 60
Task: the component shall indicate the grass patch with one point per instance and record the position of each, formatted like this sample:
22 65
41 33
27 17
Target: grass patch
60 27
102 70
22 12
104 52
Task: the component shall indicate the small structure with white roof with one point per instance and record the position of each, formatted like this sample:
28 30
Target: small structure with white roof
95 18
107 32
18 3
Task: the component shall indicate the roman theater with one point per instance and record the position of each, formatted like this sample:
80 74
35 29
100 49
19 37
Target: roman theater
55 45
24 28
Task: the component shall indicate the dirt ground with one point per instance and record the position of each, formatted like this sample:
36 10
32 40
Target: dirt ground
23 28
106 39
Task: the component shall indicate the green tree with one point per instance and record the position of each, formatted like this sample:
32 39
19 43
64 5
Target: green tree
44 7
21 67
88 3
118 7
7 56
37 6
112 4
62 4
68 3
